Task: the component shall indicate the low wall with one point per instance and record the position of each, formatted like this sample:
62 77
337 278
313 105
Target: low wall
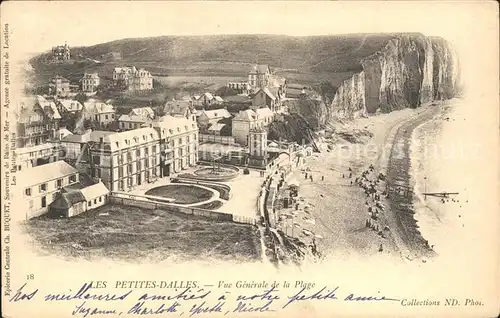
146 203
211 185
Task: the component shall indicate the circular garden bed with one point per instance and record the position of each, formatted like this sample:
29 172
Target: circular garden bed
182 193
215 173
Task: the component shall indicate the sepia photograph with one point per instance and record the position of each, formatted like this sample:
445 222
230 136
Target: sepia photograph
256 149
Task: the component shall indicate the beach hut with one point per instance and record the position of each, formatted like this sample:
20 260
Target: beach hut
76 201
68 204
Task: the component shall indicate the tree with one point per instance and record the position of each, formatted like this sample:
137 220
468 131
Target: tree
226 91
81 98
68 120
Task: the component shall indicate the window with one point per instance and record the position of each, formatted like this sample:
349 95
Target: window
27 191
59 183
138 153
43 187
100 199
44 201
90 203
72 178
146 151
95 201
154 150
106 116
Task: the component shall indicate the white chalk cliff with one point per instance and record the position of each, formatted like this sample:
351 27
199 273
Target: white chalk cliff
410 70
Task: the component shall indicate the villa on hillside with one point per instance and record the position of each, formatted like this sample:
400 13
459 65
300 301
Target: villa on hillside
132 79
59 86
90 81
241 87
61 53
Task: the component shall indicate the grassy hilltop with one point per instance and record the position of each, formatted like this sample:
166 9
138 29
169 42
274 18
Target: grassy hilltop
301 59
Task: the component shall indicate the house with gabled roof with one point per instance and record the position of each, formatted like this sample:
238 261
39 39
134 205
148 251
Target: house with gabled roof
267 97
207 117
76 201
95 110
146 112
39 186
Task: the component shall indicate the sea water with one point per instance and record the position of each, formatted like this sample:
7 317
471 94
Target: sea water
446 156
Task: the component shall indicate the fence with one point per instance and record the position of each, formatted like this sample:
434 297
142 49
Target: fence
225 140
155 203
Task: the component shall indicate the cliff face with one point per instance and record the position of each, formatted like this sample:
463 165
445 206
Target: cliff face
410 70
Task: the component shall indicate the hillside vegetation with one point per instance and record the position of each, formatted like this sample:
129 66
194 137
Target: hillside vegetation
308 59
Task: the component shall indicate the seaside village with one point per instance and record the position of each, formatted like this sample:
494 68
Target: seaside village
190 155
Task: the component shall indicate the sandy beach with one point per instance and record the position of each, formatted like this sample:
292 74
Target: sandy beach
339 207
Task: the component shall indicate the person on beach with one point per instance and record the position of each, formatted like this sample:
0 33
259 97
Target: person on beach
381 248
322 178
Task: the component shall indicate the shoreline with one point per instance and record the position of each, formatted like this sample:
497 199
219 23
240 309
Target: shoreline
401 175
337 205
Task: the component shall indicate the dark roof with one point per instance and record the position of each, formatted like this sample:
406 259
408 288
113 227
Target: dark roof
67 200
72 187
177 107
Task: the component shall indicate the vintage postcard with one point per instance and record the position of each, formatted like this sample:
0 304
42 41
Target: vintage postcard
250 159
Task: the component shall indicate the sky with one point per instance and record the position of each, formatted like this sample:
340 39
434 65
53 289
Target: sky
46 24
36 26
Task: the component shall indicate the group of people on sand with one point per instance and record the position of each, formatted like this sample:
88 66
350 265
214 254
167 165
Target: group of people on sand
308 175
370 182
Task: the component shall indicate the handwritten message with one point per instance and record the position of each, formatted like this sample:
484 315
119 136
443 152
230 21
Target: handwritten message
190 298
